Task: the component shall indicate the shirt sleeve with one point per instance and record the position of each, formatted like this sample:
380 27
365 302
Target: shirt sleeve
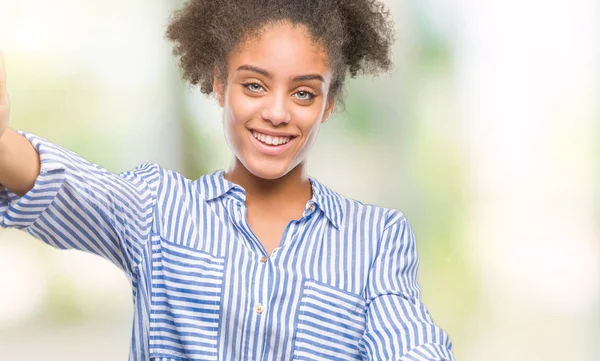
399 327
75 204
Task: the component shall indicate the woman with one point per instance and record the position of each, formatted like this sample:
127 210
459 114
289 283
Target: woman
259 262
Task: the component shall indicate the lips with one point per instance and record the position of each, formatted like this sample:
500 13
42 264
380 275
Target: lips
270 144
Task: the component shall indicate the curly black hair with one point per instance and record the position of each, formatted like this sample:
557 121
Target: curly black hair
357 34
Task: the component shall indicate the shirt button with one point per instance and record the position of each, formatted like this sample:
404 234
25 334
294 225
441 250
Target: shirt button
259 308
263 259
311 207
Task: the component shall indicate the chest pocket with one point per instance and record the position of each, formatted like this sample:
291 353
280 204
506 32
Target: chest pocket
185 302
331 323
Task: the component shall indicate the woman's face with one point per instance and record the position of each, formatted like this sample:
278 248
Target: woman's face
275 99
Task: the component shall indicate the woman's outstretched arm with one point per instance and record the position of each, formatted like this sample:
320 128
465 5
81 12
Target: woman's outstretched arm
70 203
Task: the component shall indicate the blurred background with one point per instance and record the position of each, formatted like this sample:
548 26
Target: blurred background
486 136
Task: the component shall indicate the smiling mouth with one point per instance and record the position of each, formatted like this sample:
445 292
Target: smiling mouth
271 140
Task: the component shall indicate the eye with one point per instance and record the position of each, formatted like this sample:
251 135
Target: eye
304 95
254 87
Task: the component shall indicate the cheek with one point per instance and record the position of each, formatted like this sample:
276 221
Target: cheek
241 108
308 119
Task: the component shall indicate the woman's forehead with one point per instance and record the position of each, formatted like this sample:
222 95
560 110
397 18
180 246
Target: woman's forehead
283 50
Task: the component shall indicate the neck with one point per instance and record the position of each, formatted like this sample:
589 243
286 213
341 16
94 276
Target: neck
291 188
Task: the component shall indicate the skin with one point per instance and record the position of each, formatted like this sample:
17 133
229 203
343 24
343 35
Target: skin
19 161
277 81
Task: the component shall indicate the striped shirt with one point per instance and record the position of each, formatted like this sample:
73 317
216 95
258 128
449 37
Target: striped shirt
342 285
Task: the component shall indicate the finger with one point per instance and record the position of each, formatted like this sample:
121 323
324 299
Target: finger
3 92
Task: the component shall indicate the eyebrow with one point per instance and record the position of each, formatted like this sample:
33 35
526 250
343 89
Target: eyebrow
268 75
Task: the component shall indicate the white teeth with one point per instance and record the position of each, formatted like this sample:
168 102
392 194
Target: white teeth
269 139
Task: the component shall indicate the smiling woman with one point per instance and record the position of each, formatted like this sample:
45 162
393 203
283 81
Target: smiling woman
278 77
259 261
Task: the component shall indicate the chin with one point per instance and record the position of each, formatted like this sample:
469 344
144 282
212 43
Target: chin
268 169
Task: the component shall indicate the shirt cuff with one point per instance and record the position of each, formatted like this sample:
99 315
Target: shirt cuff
429 352
21 212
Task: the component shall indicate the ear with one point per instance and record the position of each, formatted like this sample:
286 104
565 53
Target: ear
329 108
219 87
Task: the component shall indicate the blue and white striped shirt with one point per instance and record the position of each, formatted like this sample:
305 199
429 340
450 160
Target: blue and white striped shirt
342 285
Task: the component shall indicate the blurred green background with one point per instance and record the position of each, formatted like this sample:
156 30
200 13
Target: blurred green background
485 135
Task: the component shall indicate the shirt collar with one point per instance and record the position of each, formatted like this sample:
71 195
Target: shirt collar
328 201
214 185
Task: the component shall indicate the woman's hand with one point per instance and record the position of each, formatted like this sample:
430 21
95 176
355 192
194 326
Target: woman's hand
4 104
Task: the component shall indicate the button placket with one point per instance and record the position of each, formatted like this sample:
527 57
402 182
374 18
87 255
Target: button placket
262 292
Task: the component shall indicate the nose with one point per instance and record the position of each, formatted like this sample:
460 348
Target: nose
275 111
